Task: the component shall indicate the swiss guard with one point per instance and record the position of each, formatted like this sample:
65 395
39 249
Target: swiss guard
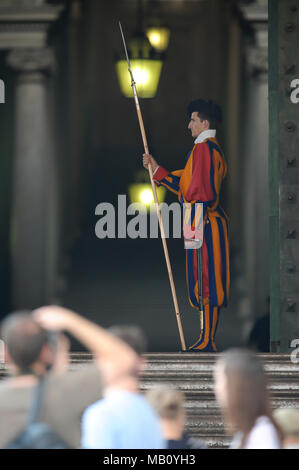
198 187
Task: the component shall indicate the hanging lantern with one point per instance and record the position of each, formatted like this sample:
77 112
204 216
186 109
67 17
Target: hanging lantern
146 75
141 191
146 66
158 37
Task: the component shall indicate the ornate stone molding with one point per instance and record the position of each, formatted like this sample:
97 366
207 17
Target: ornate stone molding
256 14
25 23
256 11
25 9
31 60
257 62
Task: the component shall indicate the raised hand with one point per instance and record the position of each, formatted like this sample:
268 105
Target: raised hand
54 318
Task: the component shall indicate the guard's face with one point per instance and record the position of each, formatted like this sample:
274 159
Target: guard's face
196 125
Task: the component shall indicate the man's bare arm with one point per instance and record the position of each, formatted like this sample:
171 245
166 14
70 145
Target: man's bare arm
94 337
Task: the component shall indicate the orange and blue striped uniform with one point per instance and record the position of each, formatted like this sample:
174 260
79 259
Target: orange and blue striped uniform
200 182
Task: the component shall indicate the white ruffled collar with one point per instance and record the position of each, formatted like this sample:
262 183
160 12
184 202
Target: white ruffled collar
209 133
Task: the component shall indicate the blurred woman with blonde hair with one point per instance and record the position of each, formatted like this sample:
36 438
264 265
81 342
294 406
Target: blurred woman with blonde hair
169 405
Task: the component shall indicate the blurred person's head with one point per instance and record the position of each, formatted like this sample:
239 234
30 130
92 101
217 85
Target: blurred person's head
241 390
169 405
288 421
135 338
28 346
132 335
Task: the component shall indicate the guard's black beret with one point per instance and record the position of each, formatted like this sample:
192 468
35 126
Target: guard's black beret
205 107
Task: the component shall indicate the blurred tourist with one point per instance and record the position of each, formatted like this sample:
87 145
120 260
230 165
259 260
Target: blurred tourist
288 421
33 350
169 404
123 419
241 391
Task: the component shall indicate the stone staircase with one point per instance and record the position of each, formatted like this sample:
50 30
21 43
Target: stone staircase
193 374
195 377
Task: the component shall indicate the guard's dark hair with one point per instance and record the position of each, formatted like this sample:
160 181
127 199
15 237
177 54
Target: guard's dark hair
207 110
24 338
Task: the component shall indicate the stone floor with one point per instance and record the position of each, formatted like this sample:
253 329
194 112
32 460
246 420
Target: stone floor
125 281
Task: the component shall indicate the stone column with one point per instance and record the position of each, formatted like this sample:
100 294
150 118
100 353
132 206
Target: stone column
34 199
255 182
284 174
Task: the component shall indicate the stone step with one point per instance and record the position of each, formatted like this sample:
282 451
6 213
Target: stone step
214 442
193 374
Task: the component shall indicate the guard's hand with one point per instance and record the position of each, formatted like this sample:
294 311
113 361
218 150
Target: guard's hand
147 158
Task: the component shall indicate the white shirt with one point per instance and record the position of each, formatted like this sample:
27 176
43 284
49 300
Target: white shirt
121 420
263 435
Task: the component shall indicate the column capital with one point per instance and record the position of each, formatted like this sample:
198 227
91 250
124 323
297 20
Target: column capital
32 59
25 23
256 15
257 54
257 62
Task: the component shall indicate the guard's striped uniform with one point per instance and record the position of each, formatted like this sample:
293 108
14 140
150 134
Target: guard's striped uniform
200 182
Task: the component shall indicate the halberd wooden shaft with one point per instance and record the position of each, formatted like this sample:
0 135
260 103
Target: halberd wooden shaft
169 269
165 248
